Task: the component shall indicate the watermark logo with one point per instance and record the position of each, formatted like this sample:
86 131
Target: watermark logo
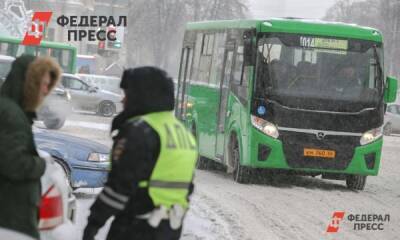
333 226
34 34
105 27
360 222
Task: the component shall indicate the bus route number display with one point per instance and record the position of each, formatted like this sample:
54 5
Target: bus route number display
327 43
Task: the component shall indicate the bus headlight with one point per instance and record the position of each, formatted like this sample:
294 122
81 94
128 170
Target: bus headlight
265 126
371 135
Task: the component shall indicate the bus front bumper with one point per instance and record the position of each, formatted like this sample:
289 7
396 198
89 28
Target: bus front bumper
267 152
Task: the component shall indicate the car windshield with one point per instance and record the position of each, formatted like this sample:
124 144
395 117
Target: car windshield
292 67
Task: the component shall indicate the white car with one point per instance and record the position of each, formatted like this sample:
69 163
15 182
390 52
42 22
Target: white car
90 98
57 209
392 119
13 235
103 82
58 206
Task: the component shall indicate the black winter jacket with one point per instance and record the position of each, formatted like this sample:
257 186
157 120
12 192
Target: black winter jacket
135 151
20 165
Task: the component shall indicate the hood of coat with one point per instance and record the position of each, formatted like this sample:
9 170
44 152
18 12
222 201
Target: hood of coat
147 90
23 82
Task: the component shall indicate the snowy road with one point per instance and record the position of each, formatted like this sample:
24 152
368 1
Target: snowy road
281 208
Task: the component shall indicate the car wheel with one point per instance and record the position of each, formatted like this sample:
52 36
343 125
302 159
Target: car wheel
66 170
241 174
356 182
54 123
107 109
387 129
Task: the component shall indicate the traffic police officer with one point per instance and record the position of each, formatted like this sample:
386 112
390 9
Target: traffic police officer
153 160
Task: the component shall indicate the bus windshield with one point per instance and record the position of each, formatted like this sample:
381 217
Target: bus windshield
317 72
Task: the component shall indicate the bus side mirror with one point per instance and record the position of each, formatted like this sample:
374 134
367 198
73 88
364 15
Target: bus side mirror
248 48
390 93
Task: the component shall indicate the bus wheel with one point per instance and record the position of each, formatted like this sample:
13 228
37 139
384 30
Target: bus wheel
240 173
202 163
356 182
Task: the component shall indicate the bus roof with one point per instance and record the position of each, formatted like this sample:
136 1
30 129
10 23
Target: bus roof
294 25
42 43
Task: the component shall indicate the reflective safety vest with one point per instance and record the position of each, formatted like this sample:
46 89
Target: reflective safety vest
169 182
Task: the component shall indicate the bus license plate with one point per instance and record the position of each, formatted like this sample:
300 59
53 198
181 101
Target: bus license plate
311 152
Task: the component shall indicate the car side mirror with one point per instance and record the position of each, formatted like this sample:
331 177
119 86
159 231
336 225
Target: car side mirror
92 89
390 93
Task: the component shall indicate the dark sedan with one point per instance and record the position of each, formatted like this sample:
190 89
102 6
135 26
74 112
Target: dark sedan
85 161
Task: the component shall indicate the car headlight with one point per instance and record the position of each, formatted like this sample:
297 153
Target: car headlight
371 135
264 126
98 157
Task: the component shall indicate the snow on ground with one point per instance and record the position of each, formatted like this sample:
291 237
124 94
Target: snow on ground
279 208
99 126
200 224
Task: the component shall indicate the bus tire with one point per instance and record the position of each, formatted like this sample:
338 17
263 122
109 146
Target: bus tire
356 182
202 163
240 173
387 129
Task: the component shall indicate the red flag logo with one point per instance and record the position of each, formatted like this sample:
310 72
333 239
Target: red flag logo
34 34
333 226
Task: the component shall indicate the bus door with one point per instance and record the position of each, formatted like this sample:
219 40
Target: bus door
224 93
181 87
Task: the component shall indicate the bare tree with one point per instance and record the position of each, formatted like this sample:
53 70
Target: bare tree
380 14
156 27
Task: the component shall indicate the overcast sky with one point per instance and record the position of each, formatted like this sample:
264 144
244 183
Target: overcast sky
289 8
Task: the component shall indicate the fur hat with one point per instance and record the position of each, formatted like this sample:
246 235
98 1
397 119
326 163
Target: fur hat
34 75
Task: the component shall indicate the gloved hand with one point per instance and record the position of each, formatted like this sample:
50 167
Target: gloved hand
90 232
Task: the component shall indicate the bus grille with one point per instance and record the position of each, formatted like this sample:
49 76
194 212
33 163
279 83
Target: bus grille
294 144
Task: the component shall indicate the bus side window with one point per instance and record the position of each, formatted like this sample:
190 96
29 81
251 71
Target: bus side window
13 49
3 48
238 86
240 81
217 59
9 49
237 74
194 74
41 51
21 49
65 58
205 58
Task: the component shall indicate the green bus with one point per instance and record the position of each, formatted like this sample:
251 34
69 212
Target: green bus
302 96
65 54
